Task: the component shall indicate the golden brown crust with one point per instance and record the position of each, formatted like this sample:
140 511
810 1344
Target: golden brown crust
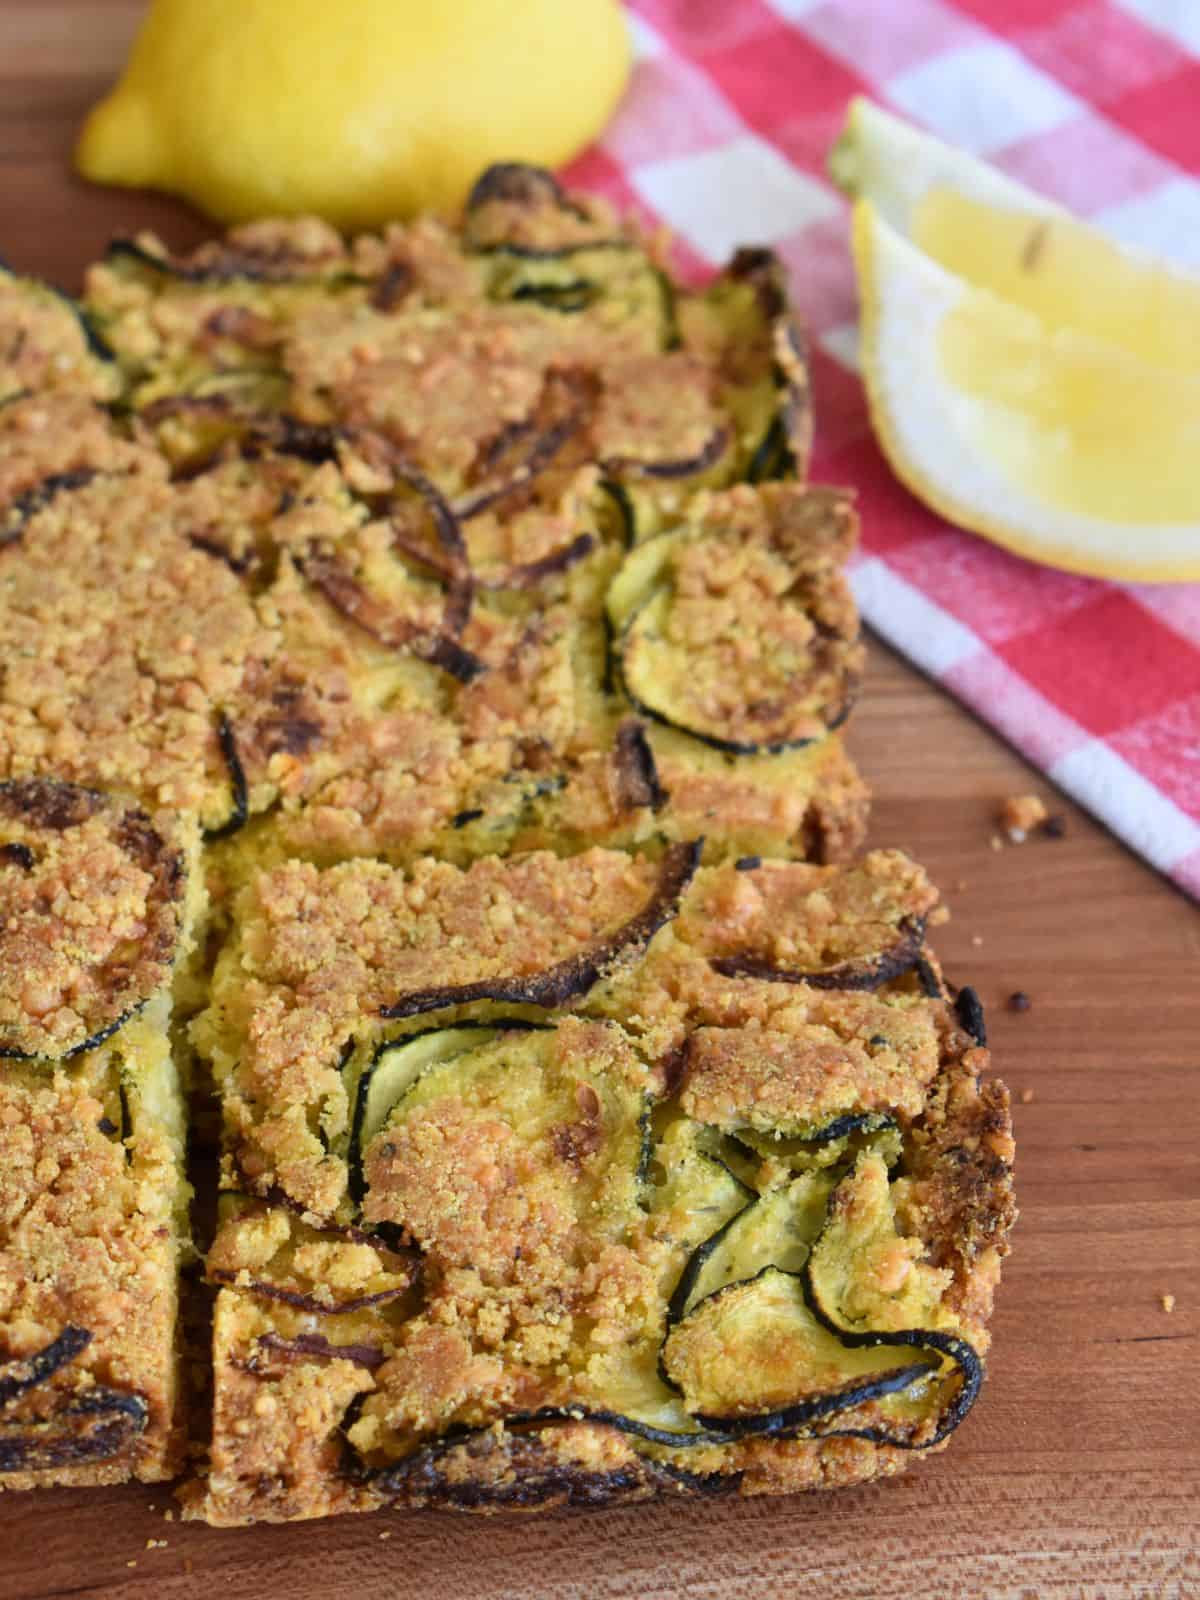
114 676
44 345
362 582
86 1243
544 1279
91 915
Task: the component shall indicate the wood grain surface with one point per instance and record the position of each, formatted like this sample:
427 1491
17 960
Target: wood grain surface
1078 1474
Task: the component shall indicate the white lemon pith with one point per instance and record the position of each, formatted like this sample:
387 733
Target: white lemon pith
358 113
1027 377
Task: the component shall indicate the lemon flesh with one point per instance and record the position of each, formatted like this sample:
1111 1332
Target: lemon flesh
359 113
1027 377
1068 275
1053 443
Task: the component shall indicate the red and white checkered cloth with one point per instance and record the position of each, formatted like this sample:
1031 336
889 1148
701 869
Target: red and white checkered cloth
724 135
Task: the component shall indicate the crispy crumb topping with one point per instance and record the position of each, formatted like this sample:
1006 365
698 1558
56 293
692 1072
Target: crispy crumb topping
91 911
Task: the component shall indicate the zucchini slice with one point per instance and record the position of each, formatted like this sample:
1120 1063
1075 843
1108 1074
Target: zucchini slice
62 1428
635 771
699 1198
237 258
775 1228
18 1377
522 209
557 418
867 1286
752 1359
239 809
344 586
765 1229
393 1071
866 972
96 1426
48 343
734 634
743 324
565 1106
577 974
309 1346
825 1146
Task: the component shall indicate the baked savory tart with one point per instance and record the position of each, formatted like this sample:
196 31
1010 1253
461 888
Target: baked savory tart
569 1180
422 662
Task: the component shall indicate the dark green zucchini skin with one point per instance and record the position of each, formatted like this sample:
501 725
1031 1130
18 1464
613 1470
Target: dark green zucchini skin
773 456
229 268
90 1043
959 1351
533 1479
356 1184
840 1127
578 973
696 1262
97 345
565 298
522 184
94 1426
730 747
619 495
866 975
240 808
18 1377
969 1009
734 747
15 516
707 456
116 1418
783 449
791 1420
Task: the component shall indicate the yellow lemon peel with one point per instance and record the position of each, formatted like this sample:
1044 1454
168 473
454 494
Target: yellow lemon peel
358 114
1027 377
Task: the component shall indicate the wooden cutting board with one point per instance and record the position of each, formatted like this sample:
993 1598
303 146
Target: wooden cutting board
1078 1474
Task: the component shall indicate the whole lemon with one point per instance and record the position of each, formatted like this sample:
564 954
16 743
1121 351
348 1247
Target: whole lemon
359 112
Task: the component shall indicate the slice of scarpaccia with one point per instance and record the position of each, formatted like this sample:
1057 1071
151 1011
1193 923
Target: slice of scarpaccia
322 671
574 1180
97 904
733 658
426 470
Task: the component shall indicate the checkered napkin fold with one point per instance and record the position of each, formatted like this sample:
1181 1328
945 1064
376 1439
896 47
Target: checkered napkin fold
1096 103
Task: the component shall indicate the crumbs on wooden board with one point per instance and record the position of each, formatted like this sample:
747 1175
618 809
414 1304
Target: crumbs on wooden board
1021 815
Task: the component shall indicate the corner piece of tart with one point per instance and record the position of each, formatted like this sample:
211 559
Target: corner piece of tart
570 1181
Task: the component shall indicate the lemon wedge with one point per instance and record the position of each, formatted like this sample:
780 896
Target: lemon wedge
357 113
1027 377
